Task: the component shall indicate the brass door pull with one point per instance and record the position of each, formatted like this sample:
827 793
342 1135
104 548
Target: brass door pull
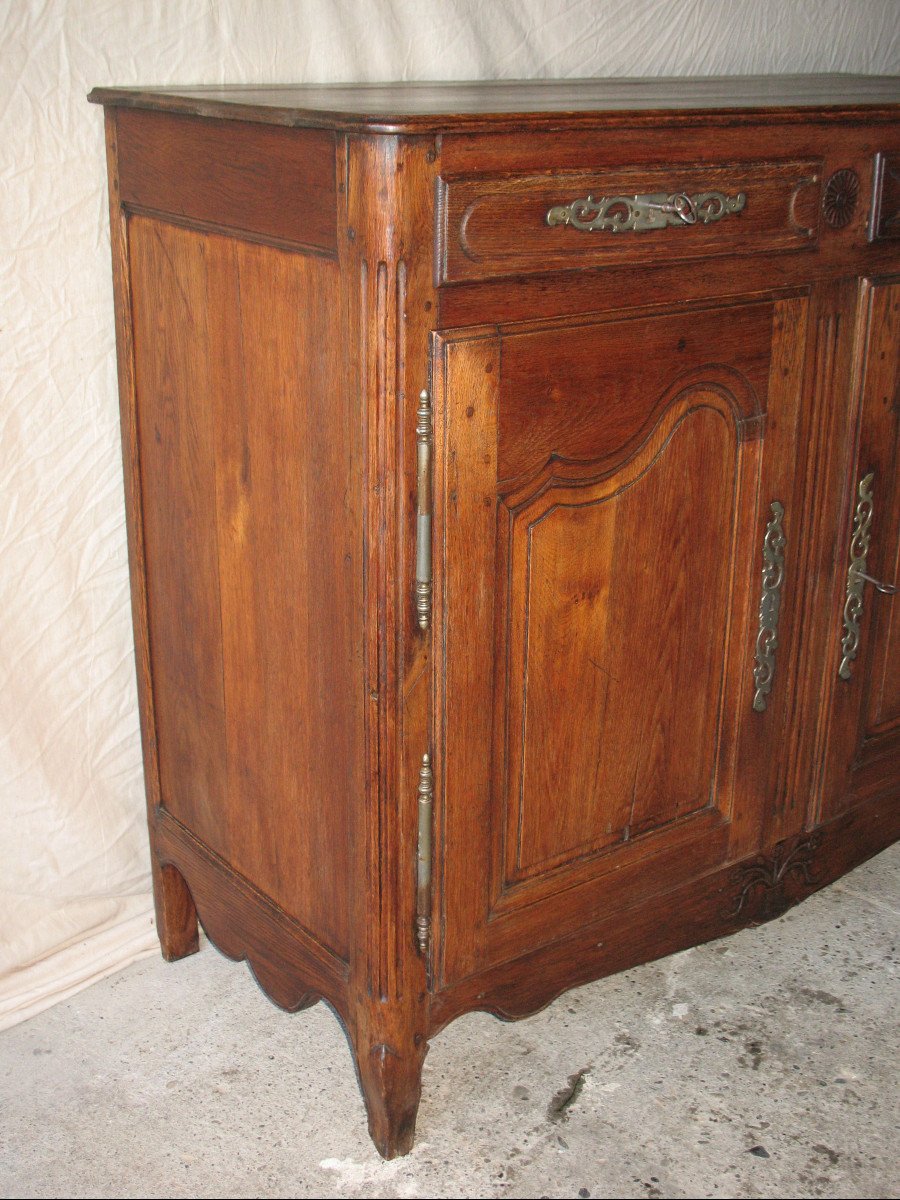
649 210
857 577
886 589
769 605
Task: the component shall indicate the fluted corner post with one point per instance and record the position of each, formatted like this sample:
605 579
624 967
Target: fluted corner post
390 302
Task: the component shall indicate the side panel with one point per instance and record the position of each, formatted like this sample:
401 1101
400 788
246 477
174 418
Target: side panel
252 559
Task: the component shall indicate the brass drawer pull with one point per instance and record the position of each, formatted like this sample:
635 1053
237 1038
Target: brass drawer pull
651 210
856 574
769 606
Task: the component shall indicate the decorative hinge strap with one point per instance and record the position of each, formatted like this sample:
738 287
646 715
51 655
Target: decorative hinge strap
423 859
423 509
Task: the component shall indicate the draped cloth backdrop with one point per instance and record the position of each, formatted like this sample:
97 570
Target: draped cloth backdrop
74 880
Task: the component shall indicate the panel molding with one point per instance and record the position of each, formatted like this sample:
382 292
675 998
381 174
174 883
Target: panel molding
581 487
732 389
613 941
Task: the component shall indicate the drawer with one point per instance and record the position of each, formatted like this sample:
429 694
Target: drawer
490 226
885 222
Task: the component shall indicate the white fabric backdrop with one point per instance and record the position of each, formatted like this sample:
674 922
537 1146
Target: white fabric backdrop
74 880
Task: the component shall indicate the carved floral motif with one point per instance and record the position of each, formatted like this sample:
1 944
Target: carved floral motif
762 883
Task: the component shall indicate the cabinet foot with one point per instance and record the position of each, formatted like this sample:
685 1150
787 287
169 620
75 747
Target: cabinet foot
391 1082
176 916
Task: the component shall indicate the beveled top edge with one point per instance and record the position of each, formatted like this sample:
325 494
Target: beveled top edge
489 105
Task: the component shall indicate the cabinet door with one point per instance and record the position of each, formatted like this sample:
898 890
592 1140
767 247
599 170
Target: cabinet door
862 756
616 534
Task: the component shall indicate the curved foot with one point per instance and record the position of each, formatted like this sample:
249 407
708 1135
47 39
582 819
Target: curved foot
176 916
391 1082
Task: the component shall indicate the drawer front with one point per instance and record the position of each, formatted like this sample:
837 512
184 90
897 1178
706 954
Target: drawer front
885 225
559 221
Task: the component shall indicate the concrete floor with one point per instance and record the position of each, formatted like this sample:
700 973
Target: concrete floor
762 1065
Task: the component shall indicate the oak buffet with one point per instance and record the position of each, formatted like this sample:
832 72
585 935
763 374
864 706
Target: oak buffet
513 504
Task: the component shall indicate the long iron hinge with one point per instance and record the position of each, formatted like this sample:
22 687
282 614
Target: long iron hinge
423 858
423 509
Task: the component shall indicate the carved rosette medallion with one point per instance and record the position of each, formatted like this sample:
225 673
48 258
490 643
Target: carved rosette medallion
840 197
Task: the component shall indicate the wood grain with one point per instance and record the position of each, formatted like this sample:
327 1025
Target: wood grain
176 917
622 605
707 907
570 392
251 620
608 589
388 304
293 969
274 184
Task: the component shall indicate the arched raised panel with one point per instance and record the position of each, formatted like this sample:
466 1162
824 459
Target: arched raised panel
593 392
614 587
602 492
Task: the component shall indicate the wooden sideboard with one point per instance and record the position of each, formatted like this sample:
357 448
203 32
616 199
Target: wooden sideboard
514 515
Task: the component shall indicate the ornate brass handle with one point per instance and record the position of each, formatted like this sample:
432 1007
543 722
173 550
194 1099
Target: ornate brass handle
769 606
886 589
856 574
650 210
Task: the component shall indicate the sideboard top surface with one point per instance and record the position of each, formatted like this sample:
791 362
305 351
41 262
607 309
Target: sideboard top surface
488 105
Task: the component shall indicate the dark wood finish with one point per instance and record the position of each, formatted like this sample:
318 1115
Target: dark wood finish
705 141
613 420
268 183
